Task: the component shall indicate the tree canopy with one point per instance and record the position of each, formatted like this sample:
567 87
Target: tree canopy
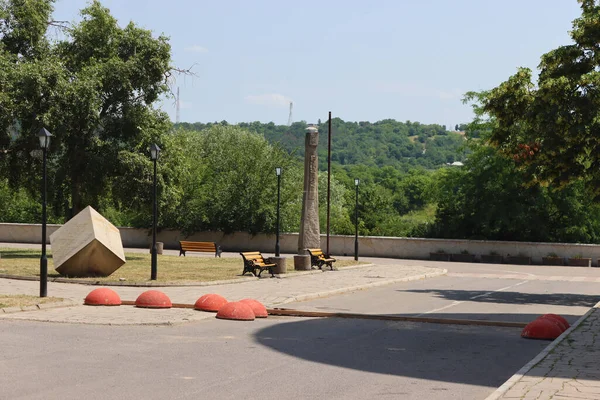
551 127
387 142
94 90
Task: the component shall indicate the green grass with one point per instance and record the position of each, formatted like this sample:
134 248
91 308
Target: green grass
171 269
24 301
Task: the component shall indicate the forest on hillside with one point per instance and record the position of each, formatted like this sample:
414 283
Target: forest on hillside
383 143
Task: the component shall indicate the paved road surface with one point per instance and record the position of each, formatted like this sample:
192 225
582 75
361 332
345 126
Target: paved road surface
265 359
467 298
308 358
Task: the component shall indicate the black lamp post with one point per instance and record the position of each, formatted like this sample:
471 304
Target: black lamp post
356 182
154 153
278 172
44 137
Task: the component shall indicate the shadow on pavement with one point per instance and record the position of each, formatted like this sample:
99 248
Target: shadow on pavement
475 355
560 299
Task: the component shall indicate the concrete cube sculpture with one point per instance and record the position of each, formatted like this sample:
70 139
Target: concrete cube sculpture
87 245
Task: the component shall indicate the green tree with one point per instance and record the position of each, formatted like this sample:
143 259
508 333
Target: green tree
227 182
551 127
487 199
339 218
94 90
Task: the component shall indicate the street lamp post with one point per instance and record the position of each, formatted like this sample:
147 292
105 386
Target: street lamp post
278 172
356 182
154 153
44 137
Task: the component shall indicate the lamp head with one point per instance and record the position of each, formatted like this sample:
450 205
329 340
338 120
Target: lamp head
154 151
44 137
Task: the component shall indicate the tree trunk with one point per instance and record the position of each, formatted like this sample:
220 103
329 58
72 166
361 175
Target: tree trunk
76 200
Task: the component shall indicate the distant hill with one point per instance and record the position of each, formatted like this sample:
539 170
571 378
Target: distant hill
383 143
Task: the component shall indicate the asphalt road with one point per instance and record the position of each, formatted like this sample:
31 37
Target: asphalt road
265 359
467 298
304 358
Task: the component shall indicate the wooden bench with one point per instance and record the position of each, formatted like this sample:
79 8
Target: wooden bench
253 261
318 259
203 247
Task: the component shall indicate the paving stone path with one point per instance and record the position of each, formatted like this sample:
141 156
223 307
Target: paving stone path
270 291
569 370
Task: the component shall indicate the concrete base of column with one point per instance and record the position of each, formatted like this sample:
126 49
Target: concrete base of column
302 263
159 247
281 267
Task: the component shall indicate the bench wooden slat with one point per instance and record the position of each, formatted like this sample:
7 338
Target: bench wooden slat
253 261
318 259
206 247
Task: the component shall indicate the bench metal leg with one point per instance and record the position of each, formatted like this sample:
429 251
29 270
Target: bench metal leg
181 252
218 252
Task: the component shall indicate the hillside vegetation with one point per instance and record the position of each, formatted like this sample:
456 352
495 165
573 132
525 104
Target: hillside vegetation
382 143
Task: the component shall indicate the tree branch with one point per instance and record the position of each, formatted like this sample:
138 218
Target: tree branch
179 71
59 24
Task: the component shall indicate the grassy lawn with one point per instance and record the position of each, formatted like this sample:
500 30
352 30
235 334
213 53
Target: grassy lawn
23 300
172 269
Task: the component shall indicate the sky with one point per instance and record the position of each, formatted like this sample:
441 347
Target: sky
361 60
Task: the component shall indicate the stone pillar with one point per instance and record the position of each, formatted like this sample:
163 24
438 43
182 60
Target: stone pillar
309 223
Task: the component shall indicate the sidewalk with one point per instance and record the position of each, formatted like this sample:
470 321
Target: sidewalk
270 291
566 369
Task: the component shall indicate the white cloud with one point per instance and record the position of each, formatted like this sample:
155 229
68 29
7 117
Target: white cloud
269 99
196 49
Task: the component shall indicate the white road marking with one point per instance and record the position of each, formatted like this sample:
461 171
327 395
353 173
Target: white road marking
516 272
455 303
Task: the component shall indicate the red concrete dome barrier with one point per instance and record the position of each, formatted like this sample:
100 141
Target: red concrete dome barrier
236 310
210 302
102 297
542 328
153 299
561 320
260 311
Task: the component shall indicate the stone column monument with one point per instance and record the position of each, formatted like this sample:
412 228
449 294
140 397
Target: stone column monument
310 236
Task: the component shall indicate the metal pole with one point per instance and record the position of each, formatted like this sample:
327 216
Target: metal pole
328 178
44 259
154 260
356 227
278 215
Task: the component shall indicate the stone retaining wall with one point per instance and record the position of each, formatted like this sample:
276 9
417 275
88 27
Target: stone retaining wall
369 246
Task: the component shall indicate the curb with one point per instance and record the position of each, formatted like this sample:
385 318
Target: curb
320 271
527 367
36 307
166 284
311 296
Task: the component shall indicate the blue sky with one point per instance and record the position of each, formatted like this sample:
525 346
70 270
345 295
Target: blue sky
362 60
